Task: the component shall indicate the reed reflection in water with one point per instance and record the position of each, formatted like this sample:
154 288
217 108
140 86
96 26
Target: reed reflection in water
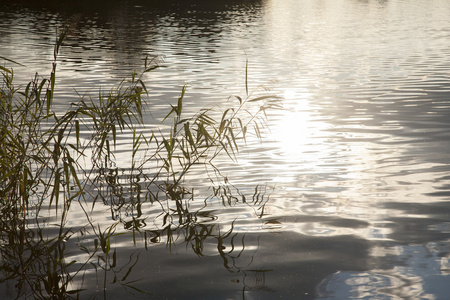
356 164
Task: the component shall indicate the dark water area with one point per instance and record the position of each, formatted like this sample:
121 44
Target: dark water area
352 175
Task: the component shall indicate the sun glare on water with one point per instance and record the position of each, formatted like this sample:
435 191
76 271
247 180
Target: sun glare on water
295 131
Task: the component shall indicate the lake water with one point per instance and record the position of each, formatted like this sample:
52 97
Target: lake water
353 172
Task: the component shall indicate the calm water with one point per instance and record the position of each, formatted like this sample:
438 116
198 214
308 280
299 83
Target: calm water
354 170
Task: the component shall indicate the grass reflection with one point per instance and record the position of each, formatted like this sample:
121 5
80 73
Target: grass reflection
33 260
53 165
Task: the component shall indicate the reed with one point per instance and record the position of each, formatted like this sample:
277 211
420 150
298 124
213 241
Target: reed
43 168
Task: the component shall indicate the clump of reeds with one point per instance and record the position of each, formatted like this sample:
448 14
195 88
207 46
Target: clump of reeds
42 165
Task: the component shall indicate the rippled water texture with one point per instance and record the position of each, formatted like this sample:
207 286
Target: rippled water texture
356 164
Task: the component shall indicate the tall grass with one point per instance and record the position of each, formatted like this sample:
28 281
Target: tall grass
43 169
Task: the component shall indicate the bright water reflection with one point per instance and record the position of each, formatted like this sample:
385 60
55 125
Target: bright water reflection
358 158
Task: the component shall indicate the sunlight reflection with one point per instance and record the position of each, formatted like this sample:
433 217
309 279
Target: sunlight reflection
296 131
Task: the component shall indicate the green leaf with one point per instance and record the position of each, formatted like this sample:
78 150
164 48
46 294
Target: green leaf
5 69
262 98
77 132
12 61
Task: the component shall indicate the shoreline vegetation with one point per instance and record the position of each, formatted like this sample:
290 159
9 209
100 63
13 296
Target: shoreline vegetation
52 164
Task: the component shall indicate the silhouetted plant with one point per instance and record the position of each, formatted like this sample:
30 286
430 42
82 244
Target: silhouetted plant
47 165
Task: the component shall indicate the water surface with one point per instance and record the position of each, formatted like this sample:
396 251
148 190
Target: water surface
355 169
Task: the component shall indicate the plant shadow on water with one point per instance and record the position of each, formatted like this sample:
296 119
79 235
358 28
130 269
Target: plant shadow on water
59 173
